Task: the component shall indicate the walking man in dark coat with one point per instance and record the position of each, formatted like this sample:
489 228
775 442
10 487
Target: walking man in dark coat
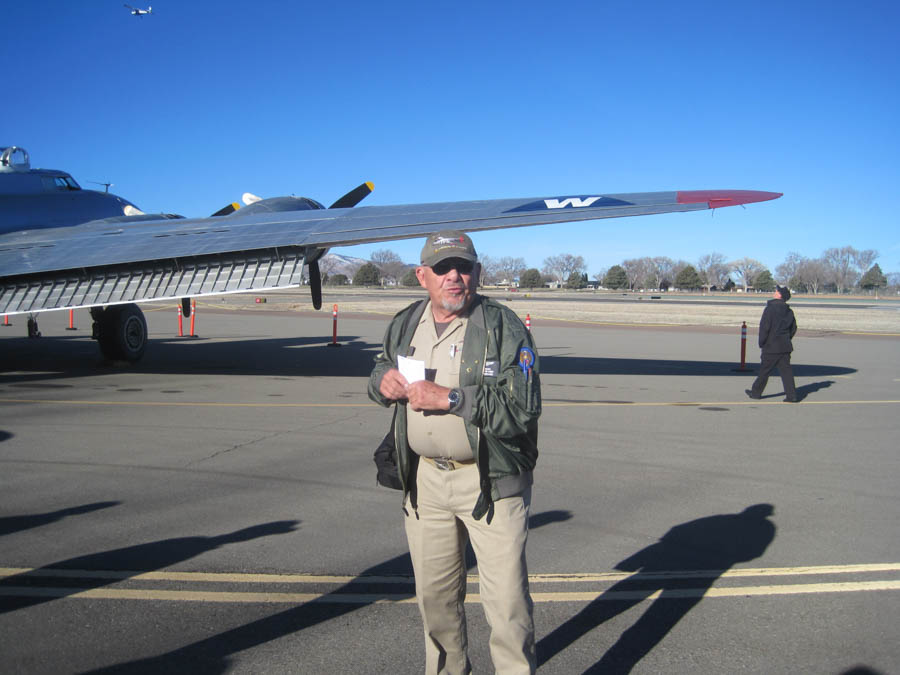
776 328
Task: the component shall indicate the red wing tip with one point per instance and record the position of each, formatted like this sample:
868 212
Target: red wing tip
719 198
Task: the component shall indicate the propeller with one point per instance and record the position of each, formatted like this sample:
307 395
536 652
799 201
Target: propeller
225 210
349 200
352 198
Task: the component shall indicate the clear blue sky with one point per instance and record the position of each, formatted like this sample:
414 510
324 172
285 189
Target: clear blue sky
188 108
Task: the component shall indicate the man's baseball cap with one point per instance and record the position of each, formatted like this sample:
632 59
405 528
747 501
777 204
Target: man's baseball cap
448 244
784 292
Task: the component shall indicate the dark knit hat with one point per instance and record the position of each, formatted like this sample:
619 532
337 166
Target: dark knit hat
784 292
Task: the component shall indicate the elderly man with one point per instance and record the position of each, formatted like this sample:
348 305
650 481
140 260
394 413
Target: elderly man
466 439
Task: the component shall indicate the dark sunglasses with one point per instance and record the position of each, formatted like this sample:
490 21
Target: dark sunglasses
461 266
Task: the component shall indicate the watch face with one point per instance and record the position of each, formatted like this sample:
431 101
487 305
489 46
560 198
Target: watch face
453 397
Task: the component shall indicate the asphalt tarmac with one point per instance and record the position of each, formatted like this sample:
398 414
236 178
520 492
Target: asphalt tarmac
214 508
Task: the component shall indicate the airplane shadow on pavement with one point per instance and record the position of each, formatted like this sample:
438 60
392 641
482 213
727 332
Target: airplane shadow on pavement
712 544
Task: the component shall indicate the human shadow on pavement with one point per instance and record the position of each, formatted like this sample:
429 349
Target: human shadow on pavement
590 365
119 564
681 567
384 581
10 524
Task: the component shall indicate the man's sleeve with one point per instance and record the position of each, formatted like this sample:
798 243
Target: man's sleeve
764 327
511 405
384 361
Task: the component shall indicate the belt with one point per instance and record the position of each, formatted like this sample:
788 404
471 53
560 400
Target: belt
447 464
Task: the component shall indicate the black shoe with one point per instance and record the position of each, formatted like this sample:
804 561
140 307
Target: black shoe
791 400
751 394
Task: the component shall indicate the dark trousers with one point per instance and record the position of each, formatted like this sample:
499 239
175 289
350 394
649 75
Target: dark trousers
768 363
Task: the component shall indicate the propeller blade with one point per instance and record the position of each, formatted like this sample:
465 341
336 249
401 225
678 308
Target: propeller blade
225 210
315 284
354 197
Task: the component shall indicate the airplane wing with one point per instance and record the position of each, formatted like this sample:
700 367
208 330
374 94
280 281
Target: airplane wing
123 261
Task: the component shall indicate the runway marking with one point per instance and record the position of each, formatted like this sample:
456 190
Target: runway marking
547 403
396 598
229 577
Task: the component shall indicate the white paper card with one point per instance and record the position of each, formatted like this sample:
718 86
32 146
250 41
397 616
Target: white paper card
412 369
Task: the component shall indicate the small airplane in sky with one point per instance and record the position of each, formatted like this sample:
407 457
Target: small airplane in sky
140 12
62 247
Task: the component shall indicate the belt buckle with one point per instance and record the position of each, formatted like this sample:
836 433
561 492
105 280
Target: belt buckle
443 464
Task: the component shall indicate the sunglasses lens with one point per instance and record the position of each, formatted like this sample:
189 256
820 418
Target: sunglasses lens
461 266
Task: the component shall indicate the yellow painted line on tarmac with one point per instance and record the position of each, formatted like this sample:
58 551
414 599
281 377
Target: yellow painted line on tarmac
578 577
408 598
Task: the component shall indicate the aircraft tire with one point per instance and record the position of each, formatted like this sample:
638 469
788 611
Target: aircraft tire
122 333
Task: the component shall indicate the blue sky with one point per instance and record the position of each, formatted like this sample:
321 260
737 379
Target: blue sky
437 101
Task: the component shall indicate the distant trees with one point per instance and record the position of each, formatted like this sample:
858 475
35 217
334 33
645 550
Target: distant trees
577 280
531 278
367 275
764 281
688 279
616 278
561 266
836 270
410 279
390 264
713 270
338 279
746 269
873 279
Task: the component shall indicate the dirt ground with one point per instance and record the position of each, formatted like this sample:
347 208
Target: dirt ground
855 314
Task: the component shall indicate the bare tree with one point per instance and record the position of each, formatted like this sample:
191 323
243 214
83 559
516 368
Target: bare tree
510 268
789 268
746 269
661 270
812 273
713 270
636 271
489 269
863 260
560 267
841 268
389 263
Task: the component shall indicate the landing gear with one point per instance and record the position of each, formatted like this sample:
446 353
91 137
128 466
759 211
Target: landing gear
121 331
33 331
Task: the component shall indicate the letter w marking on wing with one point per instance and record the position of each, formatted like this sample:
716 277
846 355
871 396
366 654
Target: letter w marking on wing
575 202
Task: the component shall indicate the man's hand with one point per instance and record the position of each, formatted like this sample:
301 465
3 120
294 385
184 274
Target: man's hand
425 395
393 385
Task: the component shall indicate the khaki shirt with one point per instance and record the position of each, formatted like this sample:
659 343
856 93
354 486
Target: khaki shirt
439 434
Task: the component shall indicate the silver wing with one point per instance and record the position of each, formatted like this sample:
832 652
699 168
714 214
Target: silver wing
124 260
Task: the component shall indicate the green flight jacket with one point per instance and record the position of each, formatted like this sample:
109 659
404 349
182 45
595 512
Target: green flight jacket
502 401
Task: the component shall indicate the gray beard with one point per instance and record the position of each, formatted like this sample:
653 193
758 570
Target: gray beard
453 306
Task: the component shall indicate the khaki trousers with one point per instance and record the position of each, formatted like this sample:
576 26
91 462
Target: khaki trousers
437 544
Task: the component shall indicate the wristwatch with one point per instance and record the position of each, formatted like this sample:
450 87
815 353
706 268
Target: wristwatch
454 398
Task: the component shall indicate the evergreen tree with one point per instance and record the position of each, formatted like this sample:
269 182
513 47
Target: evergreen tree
616 277
531 279
576 280
410 278
874 278
367 275
764 281
688 279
